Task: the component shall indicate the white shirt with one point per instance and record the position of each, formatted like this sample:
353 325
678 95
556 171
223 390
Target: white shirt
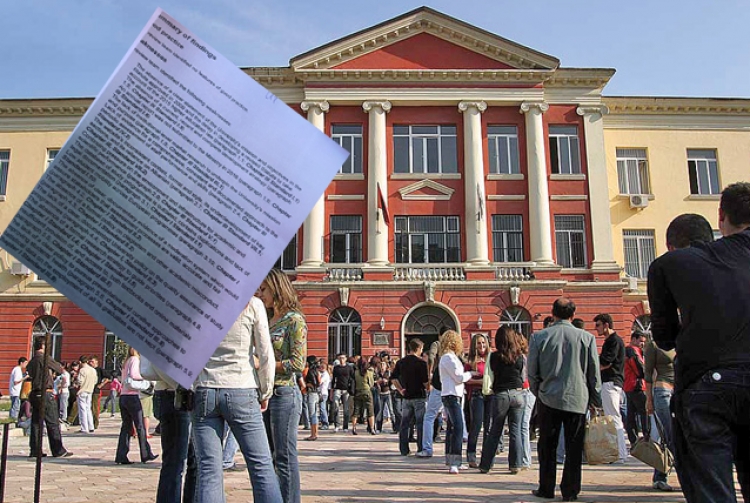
15 375
325 383
452 375
231 365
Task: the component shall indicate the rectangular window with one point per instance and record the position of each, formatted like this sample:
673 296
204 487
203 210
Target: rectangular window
570 235
427 240
346 239
564 150
51 153
349 137
640 251
4 166
288 259
425 149
632 171
502 142
507 238
703 172
115 352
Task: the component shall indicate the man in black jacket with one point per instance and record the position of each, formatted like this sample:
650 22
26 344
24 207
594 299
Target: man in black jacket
42 396
700 304
612 366
343 373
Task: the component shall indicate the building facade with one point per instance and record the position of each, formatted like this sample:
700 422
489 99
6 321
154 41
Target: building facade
485 180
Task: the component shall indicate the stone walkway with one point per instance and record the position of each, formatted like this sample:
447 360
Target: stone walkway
337 468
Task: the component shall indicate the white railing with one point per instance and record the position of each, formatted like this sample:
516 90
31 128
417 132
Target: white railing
413 272
513 273
345 274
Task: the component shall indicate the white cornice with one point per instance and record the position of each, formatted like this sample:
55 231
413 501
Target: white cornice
506 197
423 21
627 112
408 192
727 122
421 95
345 197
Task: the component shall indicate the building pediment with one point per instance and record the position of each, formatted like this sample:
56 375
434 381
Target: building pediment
398 44
426 190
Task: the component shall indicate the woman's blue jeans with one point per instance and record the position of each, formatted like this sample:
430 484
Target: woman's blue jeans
454 432
240 408
662 398
508 404
285 409
479 411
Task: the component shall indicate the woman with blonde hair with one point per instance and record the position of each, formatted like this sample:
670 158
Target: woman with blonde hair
289 339
452 379
479 405
131 410
507 364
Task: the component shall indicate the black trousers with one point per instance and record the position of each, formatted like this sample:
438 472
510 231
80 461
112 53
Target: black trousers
637 419
132 415
51 419
550 420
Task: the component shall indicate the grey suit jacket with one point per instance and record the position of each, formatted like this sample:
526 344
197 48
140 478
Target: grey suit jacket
564 368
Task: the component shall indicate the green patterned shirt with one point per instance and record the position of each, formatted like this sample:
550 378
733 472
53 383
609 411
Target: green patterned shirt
289 338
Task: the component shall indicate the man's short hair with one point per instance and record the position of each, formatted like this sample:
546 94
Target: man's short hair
38 343
22 360
637 334
735 203
578 323
414 345
563 308
548 320
687 228
605 318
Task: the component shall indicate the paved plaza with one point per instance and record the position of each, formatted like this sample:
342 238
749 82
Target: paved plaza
337 468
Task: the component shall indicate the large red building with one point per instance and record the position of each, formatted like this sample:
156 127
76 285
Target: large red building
476 193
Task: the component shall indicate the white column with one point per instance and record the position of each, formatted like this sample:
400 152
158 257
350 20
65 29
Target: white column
314 227
377 173
601 223
475 217
540 227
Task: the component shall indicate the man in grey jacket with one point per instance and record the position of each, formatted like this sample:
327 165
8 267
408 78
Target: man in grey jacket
564 376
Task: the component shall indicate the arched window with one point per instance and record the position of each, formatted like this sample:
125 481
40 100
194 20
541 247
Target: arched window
642 324
426 322
344 332
51 325
518 318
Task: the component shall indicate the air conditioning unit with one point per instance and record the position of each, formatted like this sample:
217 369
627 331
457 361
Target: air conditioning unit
638 201
18 269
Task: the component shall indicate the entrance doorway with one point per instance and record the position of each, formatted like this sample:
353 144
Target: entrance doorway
426 323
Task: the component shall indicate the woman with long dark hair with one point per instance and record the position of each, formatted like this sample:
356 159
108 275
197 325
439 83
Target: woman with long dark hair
479 405
289 338
364 380
507 364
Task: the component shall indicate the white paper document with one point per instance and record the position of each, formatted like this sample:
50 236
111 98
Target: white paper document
172 198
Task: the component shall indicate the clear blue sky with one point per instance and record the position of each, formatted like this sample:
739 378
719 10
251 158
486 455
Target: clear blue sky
68 48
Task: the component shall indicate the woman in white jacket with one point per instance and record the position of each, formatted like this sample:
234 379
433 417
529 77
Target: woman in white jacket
452 378
230 389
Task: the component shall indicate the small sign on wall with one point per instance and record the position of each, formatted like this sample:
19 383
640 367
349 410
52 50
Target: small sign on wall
381 338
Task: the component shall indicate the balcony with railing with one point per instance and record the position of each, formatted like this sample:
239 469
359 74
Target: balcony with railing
344 272
514 272
428 272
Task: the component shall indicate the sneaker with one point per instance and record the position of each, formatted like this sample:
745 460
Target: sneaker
336 429
660 485
424 454
513 471
453 470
